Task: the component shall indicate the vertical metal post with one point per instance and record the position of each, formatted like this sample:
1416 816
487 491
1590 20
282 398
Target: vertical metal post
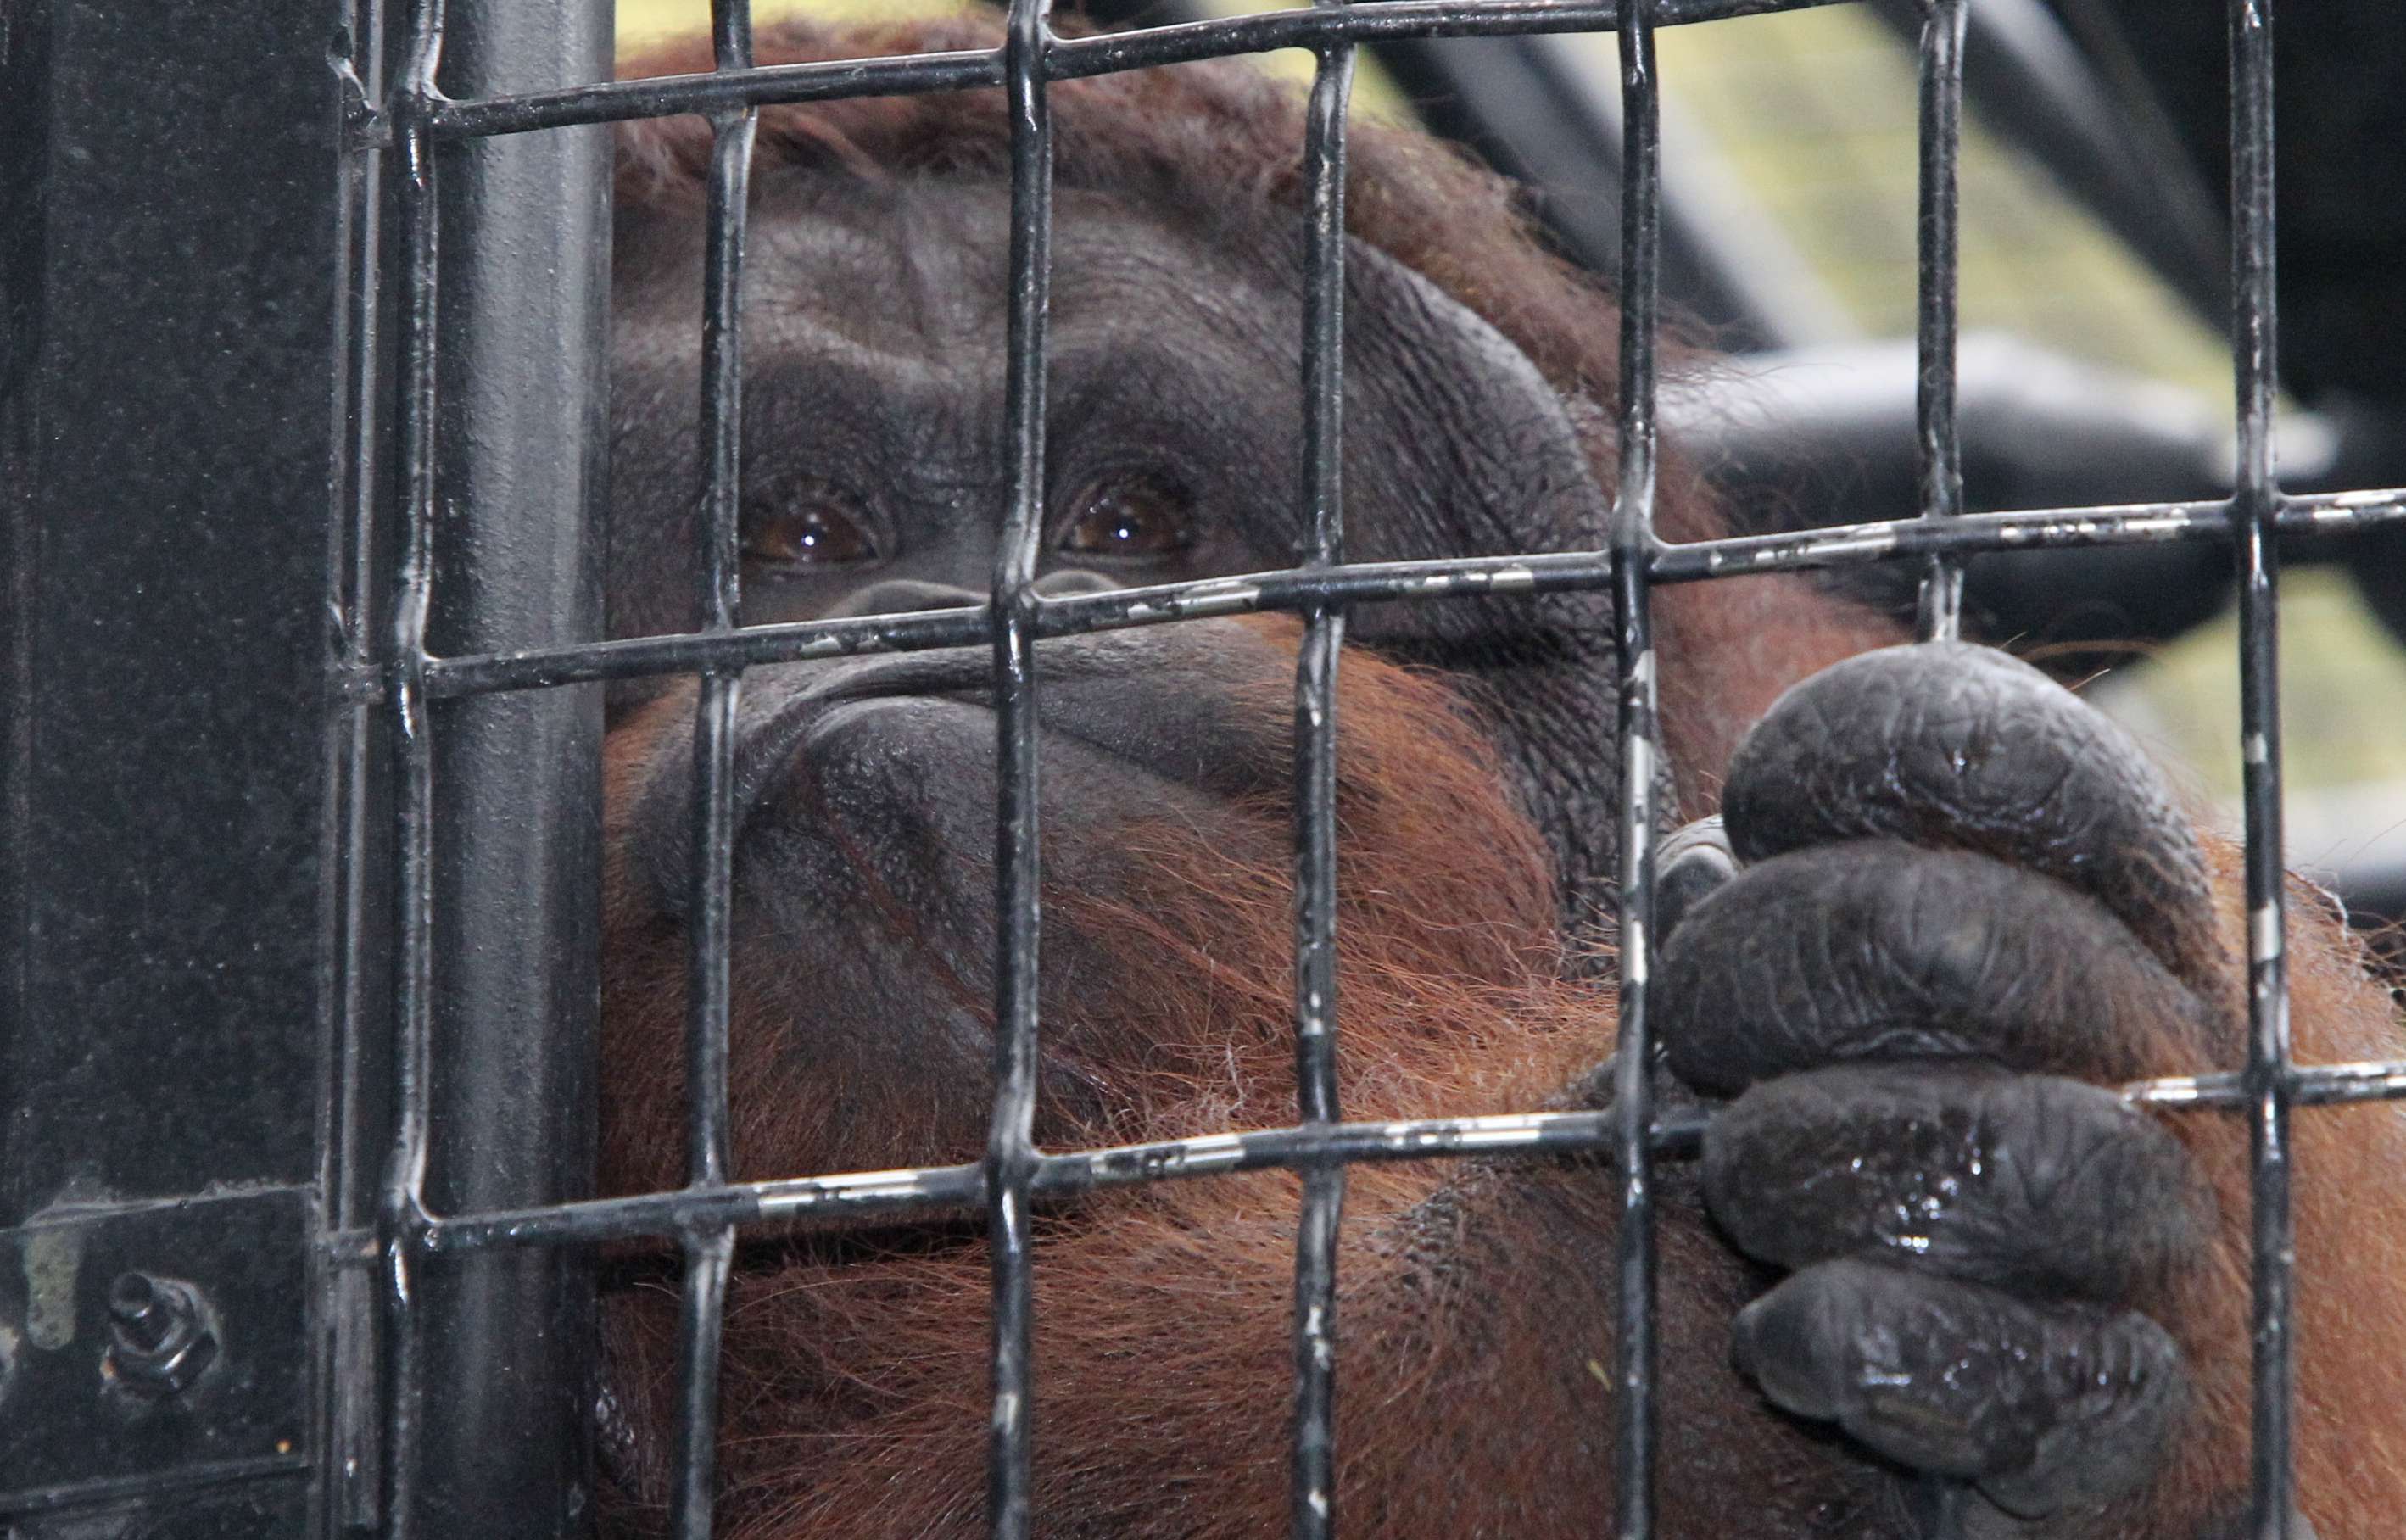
1633 541
522 461
710 1246
1938 447
1313 1511
359 1095
401 1218
1011 1148
502 403
2254 501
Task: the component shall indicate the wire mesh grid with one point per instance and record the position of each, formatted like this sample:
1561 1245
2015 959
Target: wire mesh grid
706 1215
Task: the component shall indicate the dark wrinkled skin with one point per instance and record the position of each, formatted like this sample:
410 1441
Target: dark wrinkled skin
875 348
2043 1409
874 333
864 797
2028 1181
1961 884
1967 748
1928 834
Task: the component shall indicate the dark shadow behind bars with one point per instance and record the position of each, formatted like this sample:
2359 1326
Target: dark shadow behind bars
373 610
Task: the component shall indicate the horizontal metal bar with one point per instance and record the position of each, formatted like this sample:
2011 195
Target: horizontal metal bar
961 1187
2311 1085
151 1489
959 1190
2339 513
2125 524
911 74
1118 609
2032 529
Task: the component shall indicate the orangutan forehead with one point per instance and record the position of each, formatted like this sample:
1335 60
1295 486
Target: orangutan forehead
929 257
907 277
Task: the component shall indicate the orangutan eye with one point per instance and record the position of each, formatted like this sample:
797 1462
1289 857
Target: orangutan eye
1144 519
812 532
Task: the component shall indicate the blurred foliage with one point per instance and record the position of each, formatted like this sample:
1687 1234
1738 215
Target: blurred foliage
2343 693
1814 112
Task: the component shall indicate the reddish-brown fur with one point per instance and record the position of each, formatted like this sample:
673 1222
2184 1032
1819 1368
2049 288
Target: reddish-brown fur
854 1384
1473 1303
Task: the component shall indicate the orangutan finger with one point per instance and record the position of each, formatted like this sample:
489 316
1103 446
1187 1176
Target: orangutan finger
1948 744
1876 950
2027 1182
2042 1407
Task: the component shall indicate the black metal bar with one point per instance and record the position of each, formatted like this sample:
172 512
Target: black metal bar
1010 1156
889 1197
1071 58
1632 538
350 1428
2255 498
1311 1514
719 602
709 1257
2310 1085
1533 110
1837 546
403 1211
1939 447
710 1248
2085 112
521 463
1938 1505
935 1192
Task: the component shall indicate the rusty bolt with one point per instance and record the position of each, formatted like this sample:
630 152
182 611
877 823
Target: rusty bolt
160 1336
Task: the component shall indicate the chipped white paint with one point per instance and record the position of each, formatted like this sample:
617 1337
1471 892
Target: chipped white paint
1496 1131
1315 1331
1632 953
2174 1090
865 1188
1638 755
2159 524
1869 544
1209 1152
1235 595
2258 751
2264 932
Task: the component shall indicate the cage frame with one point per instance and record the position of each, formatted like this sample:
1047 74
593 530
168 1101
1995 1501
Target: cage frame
400 684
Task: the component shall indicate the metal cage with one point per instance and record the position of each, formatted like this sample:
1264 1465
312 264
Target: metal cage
327 1121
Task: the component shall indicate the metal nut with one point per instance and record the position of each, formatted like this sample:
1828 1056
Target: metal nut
160 1340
